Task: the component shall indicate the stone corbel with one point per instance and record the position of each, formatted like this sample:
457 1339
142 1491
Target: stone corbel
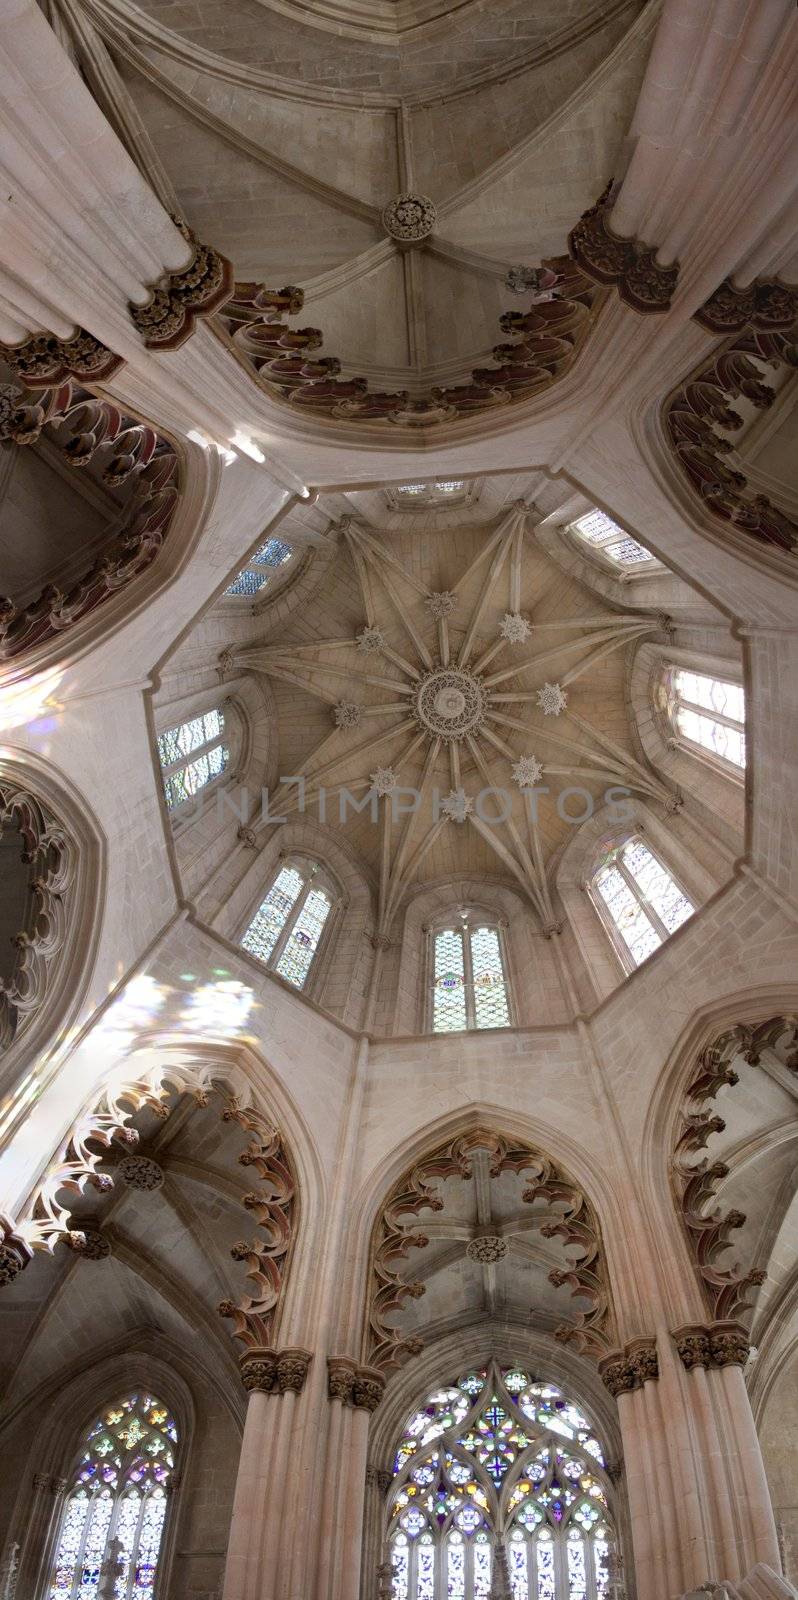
715 1344
267 1371
179 298
627 263
622 1371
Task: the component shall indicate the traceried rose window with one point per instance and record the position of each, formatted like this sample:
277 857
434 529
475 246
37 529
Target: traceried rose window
468 981
639 900
499 1467
287 928
115 1509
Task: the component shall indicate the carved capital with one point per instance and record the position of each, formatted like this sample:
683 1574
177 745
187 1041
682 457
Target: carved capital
140 1172
692 1344
179 298
340 1379
259 1371
43 360
632 266
765 304
14 1252
292 1370
90 1243
369 1387
624 1370
718 1344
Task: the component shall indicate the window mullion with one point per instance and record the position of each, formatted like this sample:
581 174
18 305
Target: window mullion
712 715
468 978
289 924
646 906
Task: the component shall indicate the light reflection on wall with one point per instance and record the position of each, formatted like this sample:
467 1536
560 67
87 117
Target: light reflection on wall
221 1007
24 703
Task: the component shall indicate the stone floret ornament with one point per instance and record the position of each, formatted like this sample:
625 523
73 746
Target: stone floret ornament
552 699
527 771
441 604
632 266
409 218
370 640
514 628
346 714
179 298
384 780
457 805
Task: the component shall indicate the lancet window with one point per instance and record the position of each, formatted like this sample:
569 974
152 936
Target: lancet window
602 534
638 899
260 568
707 712
289 925
469 986
192 754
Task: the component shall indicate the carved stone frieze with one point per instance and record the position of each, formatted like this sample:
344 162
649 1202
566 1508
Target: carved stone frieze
179 298
767 304
542 343
418 1190
273 1205
623 1371
130 459
697 1176
51 860
718 1344
631 266
702 405
43 360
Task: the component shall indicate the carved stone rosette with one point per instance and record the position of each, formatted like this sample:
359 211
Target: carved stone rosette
179 298
46 850
43 360
543 343
625 1370
631 266
702 404
125 455
718 1344
766 305
696 1177
418 1190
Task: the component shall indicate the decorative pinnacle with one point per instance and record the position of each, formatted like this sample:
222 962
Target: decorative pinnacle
526 771
552 699
514 628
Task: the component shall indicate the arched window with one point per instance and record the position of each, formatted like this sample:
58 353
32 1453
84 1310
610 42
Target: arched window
602 534
638 900
191 755
260 568
468 980
499 1462
115 1508
287 929
707 712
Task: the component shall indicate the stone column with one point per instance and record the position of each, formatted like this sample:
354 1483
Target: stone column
41 1532
355 1392
273 1379
713 1356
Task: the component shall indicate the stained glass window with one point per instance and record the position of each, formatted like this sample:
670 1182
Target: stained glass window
191 754
469 988
599 530
640 899
256 574
710 712
499 1456
114 1512
286 930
